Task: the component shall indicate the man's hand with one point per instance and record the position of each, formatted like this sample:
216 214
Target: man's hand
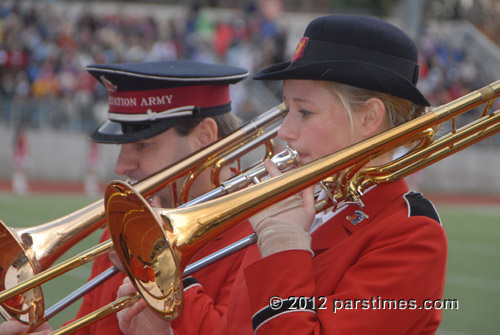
14 327
140 318
113 257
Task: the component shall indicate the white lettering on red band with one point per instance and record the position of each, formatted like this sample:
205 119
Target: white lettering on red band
160 100
118 101
157 100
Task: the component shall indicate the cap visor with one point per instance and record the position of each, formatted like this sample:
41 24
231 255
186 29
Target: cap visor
112 132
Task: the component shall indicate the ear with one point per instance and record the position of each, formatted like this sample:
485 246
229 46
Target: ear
372 117
204 133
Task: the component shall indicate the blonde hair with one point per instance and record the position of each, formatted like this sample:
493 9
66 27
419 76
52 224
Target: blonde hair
398 110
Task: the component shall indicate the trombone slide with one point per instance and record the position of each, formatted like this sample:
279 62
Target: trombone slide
171 237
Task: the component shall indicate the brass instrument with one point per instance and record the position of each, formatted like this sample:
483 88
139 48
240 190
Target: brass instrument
30 251
284 160
156 253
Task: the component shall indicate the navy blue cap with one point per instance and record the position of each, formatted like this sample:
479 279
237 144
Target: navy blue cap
356 50
145 99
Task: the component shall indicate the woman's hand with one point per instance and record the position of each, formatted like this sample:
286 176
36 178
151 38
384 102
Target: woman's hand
301 215
140 318
13 327
284 225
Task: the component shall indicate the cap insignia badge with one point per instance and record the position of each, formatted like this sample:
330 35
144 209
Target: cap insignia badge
108 84
299 51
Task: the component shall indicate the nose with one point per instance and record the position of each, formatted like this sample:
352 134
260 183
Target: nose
127 161
288 130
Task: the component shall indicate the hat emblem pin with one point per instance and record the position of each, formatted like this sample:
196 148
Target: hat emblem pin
108 84
299 51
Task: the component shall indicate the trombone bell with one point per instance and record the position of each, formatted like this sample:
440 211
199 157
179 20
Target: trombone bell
146 254
15 267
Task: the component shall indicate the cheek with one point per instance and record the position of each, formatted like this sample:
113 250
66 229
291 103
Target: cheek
156 160
325 143
153 162
327 138
171 153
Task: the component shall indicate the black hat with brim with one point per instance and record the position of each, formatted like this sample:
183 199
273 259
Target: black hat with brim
146 99
355 50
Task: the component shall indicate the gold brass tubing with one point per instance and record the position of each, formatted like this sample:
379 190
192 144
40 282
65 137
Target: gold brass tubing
38 247
477 129
235 207
186 230
458 143
487 107
150 185
57 270
107 246
98 314
217 162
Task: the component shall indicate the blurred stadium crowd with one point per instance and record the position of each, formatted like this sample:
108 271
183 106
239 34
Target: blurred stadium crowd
43 55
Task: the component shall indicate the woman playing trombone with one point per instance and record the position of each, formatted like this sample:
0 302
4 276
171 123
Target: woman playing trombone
370 266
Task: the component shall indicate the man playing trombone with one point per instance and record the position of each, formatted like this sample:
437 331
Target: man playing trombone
160 113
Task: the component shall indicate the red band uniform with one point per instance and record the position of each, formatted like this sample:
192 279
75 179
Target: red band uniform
397 251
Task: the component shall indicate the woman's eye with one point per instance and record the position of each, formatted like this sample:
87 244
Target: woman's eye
141 145
304 112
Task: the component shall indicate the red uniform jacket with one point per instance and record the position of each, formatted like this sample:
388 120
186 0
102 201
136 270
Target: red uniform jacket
374 271
204 302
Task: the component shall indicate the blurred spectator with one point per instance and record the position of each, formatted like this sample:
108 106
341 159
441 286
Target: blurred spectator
20 158
44 50
91 184
447 72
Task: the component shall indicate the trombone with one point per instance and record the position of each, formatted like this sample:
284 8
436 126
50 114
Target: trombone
26 252
169 237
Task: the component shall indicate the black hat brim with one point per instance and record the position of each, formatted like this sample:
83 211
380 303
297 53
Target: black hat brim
112 132
354 73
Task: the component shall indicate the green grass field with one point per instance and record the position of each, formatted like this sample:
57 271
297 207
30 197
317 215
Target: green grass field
473 275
